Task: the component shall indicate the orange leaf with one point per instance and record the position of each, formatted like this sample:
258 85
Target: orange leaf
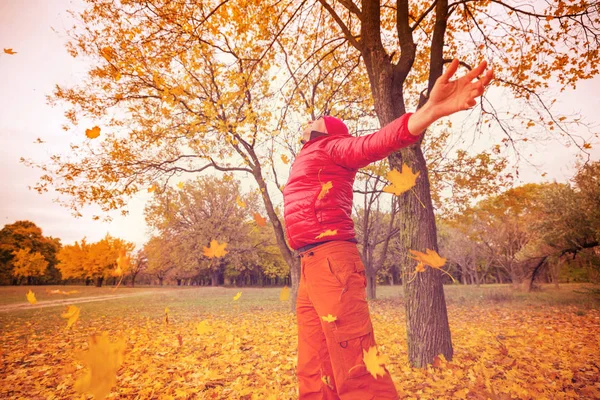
329 318
215 250
93 133
260 220
328 232
324 189
72 314
401 181
31 297
432 258
10 51
239 202
374 362
285 159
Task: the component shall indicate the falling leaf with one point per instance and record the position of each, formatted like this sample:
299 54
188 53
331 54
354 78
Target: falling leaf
401 181
72 314
284 295
31 297
203 328
93 133
587 146
102 361
239 202
324 189
180 185
432 258
328 232
285 159
215 250
122 262
260 220
10 51
237 296
420 267
166 315
326 380
374 362
329 318
152 188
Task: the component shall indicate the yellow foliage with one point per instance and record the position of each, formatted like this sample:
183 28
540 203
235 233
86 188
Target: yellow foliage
328 232
215 250
374 362
401 181
72 315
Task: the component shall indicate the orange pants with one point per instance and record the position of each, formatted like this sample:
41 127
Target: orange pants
330 354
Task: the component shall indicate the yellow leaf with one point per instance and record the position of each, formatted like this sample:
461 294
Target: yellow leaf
93 133
237 296
180 185
239 202
420 267
374 362
122 262
31 297
285 159
152 188
329 318
285 294
324 189
328 232
326 380
260 220
102 361
203 328
215 250
72 314
432 258
401 181
10 51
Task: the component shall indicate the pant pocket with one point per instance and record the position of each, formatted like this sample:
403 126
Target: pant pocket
351 343
348 273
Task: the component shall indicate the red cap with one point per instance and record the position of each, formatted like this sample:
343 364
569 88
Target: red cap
335 127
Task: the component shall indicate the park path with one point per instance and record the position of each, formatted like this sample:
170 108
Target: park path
62 302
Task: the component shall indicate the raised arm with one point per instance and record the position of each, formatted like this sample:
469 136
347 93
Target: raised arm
358 152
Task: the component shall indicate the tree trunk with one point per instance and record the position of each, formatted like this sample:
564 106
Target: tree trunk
133 280
99 281
214 278
371 283
160 280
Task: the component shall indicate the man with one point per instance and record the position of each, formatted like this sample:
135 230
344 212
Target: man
334 326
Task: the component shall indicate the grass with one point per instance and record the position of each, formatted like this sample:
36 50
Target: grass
550 330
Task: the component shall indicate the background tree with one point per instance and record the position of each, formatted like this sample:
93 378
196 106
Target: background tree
26 235
94 261
28 265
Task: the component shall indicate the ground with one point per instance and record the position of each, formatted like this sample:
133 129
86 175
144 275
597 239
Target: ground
507 344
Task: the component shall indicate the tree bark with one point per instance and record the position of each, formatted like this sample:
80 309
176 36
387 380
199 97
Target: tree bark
371 284
99 281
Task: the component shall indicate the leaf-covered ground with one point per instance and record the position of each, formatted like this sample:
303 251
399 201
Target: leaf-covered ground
506 345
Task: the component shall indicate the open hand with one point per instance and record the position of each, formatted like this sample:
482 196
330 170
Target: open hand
448 97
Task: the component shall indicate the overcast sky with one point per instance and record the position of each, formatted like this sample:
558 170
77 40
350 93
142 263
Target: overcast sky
42 62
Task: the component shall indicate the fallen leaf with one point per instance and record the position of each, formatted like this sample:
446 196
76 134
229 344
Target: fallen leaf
401 181
72 314
329 318
203 328
93 133
31 297
328 232
215 250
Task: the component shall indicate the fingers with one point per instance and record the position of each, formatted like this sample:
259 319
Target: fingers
445 78
475 72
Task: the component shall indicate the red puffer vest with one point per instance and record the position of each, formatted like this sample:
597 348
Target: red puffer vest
335 157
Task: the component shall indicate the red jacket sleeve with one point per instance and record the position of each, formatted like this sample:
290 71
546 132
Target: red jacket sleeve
358 152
